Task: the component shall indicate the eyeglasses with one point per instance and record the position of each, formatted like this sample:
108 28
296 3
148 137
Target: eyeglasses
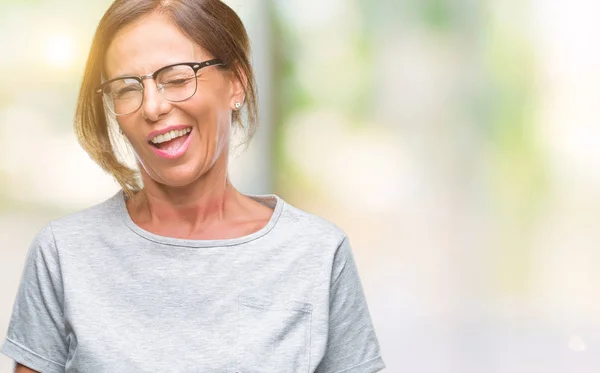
177 83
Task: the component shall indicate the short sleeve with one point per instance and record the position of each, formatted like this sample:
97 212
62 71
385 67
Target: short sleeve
352 345
36 333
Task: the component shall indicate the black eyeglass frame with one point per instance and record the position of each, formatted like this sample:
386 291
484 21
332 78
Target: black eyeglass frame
196 66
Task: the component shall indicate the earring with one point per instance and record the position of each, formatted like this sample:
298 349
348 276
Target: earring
238 105
121 131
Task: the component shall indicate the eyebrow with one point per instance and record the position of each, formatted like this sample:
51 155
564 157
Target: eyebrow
120 76
106 78
137 76
125 76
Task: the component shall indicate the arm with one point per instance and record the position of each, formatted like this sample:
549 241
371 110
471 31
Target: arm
352 346
23 369
36 333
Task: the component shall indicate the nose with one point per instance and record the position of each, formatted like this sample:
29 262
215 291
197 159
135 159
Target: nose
154 104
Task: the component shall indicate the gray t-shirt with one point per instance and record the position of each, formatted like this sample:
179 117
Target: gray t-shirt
100 294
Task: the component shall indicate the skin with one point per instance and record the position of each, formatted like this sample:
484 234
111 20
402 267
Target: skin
23 369
190 197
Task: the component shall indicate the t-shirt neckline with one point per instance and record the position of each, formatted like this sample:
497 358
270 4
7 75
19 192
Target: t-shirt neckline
271 200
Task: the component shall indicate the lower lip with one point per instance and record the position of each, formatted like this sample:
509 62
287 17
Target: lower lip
175 153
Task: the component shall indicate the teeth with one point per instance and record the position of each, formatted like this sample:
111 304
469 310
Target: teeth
170 135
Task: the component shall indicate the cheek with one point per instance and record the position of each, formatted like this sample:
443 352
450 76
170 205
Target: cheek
135 138
208 112
214 94
126 123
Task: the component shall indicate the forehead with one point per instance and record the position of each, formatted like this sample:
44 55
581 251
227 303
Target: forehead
148 44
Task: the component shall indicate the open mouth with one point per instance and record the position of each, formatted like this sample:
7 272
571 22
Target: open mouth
171 140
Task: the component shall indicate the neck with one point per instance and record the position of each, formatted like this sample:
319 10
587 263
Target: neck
210 199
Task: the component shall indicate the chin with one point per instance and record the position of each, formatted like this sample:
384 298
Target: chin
177 173
176 180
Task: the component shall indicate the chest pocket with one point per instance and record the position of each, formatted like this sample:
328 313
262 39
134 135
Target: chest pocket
273 336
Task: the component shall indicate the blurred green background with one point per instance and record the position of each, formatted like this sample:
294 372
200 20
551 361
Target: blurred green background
456 142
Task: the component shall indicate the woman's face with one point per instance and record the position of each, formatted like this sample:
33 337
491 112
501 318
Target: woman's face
202 123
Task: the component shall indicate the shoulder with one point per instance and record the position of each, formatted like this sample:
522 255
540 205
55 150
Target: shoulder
310 226
104 214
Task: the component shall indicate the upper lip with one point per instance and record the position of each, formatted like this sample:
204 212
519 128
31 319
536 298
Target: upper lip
162 131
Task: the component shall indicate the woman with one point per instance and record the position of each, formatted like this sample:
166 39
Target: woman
180 272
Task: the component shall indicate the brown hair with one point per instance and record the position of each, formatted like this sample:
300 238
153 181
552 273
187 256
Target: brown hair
209 23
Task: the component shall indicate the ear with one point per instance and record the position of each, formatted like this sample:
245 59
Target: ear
238 82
